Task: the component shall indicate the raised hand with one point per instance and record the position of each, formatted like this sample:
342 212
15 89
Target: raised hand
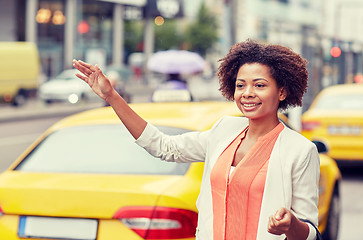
101 85
94 77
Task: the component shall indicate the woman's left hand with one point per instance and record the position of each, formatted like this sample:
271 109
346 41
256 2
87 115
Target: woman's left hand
285 222
280 222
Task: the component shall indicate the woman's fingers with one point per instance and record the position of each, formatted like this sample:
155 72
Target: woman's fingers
80 68
83 67
99 71
82 77
93 76
87 65
280 213
279 223
272 226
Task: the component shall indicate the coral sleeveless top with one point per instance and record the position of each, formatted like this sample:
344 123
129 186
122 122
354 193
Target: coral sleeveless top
237 197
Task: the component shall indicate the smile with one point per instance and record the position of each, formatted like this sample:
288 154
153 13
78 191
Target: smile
250 104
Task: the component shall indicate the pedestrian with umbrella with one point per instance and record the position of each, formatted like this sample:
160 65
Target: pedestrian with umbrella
175 63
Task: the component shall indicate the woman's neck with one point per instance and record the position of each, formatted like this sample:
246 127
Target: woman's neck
260 127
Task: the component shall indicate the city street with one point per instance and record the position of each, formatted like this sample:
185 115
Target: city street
20 132
304 54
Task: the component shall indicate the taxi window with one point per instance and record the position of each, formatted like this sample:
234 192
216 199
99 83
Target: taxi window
341 102
98 149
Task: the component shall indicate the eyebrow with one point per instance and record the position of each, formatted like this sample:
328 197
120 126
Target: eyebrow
256 79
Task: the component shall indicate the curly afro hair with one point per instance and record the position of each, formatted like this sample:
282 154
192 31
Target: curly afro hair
287 68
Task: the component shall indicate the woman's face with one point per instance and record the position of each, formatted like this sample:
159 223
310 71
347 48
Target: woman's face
256 92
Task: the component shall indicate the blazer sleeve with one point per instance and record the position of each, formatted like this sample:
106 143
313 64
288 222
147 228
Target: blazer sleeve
305 184
187 147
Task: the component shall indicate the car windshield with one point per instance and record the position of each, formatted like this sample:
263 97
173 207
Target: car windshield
98 149
341 102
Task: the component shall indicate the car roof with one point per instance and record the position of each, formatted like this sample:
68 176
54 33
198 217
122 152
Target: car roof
343 89
187 115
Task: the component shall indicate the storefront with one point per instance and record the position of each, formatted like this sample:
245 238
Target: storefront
92 30
61 36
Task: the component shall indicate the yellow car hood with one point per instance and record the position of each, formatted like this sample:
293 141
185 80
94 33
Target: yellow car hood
78 195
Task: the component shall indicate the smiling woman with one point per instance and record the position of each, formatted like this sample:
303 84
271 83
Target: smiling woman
261 79
286 67
257 94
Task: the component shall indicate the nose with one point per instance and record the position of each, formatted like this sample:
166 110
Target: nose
248 92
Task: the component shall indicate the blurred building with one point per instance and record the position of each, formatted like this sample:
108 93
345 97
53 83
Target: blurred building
12 27
326 32
342 41
81 29
292 23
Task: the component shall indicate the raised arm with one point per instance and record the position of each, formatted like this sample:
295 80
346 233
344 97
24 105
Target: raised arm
101 85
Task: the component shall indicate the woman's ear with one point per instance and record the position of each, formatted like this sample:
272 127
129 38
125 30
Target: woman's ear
282 94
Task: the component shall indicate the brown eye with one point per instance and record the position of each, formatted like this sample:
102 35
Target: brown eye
239 85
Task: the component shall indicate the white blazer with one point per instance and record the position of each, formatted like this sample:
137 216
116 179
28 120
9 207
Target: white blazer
292 177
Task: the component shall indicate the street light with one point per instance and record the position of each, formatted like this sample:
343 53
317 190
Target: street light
159 20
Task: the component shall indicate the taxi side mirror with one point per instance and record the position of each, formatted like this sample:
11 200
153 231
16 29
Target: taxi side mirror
322 148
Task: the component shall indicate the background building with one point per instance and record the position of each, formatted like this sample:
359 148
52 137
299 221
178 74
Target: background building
82 29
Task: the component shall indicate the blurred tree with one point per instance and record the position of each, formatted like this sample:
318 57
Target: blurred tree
133 36
167 36
202 34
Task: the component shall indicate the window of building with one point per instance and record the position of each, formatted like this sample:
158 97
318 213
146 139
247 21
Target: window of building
94 30
50 18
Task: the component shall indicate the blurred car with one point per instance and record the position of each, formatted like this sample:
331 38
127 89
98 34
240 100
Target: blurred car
120 75
65 87
125 72
172 91
86 178
336 118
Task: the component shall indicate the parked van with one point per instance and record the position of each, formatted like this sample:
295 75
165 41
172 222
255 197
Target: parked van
19 71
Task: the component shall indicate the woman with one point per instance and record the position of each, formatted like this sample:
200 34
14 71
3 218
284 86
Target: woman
260 178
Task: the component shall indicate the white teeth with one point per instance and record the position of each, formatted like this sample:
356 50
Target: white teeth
250 105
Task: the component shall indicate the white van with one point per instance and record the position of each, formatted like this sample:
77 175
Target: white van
19 71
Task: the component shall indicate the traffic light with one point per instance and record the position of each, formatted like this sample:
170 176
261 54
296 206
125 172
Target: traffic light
83 27
358 78
335 52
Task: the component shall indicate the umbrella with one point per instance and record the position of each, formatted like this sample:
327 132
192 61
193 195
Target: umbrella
176 61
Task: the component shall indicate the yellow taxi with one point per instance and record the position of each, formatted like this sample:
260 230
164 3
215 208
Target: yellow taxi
85 178
20 71
336 118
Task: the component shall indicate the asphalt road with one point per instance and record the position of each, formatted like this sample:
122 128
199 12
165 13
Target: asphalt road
16 136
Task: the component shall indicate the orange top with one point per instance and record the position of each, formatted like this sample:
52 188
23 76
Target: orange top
237 198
